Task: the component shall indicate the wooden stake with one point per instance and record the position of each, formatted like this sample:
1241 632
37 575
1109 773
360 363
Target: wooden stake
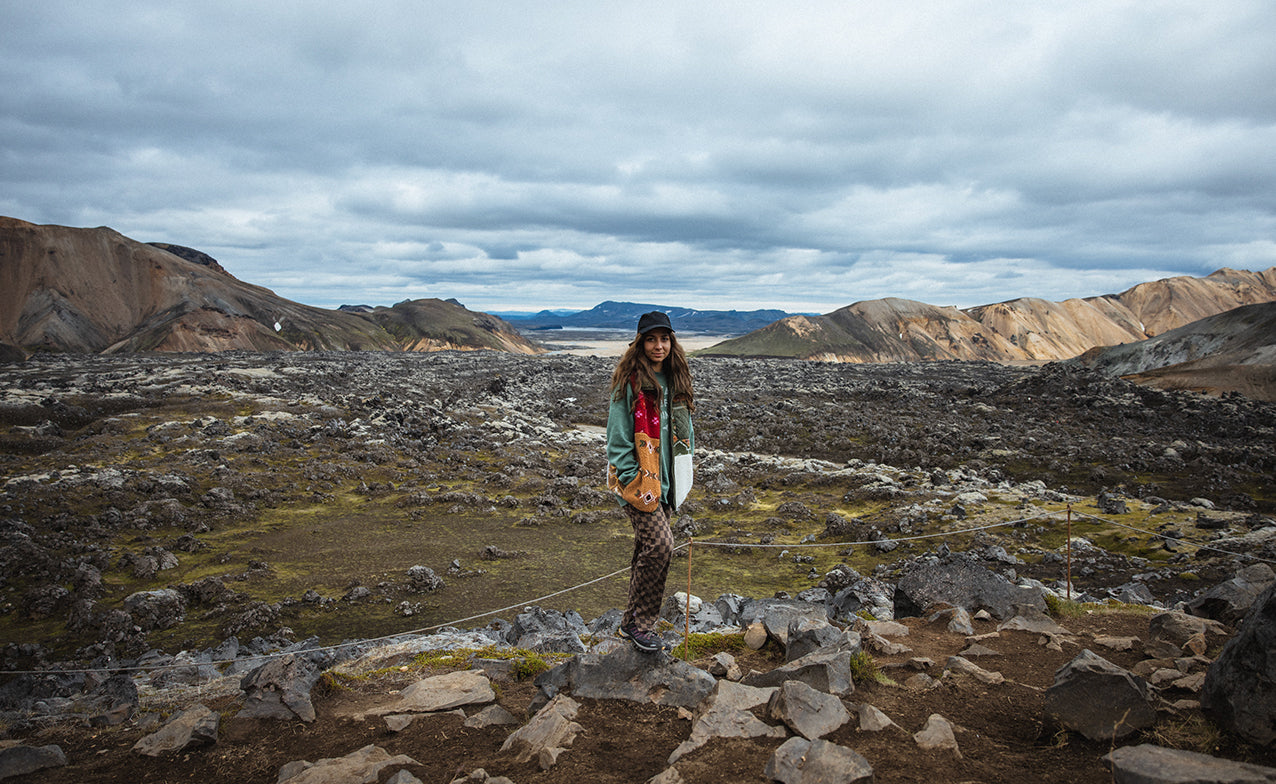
1069 552
686 640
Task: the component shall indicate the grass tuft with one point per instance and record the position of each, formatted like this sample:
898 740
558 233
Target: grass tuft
531 663
1062 608
699 646
332 682
1190 732
864 669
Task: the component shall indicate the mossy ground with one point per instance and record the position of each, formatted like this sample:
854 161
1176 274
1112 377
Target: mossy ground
319 507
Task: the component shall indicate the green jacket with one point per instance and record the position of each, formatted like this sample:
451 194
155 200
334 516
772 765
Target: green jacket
620 442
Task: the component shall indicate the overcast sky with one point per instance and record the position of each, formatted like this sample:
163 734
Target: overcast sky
513 155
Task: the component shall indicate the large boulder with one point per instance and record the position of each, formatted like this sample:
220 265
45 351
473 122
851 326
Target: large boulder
20 759
810 713
1147 764
548 631
422 579
440 693
865 595
156 609
196 726
806 636
1169 633
627 674
363 765
1240 687
730 606
280 689
550 731
777 615
1228 601
827 672
961 581
1098 699
727 713
801 761
705 617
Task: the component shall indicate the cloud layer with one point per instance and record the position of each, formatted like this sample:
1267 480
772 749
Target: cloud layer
520 156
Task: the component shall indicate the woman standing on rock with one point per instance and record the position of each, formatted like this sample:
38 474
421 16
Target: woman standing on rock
649 446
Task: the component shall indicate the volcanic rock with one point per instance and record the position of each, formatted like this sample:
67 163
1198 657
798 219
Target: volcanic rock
1148 764
963 582
280 689
543 630
937 734
442 692
1099 699
801 761
826 672
810 713
21 759
550 731
193 727
1229 601
1239 691
364 765
628 674
726 714
159 609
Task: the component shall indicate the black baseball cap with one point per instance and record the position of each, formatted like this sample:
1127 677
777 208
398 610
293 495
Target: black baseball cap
653 320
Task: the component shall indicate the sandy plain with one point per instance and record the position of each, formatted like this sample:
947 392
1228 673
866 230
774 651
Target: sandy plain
608 343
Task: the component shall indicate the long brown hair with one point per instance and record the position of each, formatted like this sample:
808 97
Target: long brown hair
633 364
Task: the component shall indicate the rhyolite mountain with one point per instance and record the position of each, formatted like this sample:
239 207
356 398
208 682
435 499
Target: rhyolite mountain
622 316
96 291
900 330
1234 351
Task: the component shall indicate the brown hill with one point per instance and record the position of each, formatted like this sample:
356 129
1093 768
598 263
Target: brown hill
440 325
97 291
883 330
890 329
1227 352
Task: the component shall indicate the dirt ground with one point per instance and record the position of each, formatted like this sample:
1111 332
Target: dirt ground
1002 731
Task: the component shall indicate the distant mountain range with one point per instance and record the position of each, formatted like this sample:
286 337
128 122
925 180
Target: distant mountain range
623 316
97 291
900 330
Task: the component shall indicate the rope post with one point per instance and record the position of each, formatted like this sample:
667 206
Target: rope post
1069 552
686 638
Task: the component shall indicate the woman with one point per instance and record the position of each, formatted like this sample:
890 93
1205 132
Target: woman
649 446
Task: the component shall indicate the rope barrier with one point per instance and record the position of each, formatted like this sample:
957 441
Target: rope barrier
528 602
919 537
323 648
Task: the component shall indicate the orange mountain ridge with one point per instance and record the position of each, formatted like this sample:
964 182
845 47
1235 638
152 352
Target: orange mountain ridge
97 291
899 330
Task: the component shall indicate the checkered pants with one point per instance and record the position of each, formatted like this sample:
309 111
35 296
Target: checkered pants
653 548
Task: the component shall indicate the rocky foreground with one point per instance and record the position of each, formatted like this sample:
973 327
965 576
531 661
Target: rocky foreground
788 696
173 520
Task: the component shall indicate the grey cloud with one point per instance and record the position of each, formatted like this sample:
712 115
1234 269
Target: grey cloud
747 155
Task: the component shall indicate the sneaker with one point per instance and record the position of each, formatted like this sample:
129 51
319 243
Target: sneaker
643 641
